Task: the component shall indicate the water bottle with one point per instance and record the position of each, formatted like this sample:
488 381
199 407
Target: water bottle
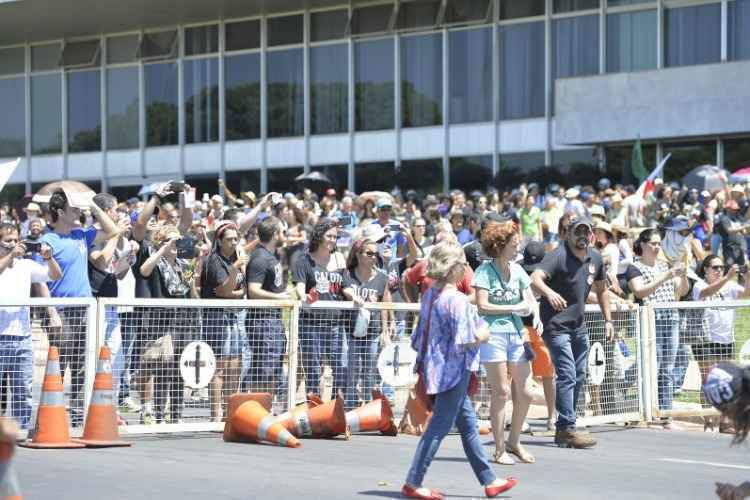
624 348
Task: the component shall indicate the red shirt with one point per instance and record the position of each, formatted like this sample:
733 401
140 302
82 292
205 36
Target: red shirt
417 276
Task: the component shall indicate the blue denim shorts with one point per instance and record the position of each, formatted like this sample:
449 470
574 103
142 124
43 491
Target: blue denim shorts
502 347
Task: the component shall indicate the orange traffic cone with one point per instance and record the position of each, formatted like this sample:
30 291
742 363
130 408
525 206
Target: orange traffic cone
373 416
100 430
51 429
416 417
388 427
252 421
316 420
235 401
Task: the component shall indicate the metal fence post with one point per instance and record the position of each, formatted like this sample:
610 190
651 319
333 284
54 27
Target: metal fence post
293 356
644 334
95 328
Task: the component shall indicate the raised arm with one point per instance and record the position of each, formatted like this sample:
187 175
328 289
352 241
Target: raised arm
247 221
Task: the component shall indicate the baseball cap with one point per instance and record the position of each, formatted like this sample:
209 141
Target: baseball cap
374 232
723 384
532 256
575 222
330 192
384 202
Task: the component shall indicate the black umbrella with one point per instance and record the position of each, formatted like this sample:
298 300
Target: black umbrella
313 180
706 177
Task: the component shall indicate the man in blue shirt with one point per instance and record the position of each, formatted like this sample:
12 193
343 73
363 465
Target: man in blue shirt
396 239
71 245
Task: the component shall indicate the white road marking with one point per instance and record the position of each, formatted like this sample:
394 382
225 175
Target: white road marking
698 462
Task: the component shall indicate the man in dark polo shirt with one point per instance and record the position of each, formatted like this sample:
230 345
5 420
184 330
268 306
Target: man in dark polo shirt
564 280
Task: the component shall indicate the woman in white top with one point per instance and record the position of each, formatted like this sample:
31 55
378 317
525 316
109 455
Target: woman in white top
605 243
715 286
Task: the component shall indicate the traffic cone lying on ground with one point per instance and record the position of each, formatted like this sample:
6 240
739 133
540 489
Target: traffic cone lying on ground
416 417
235 401
373 416
100 430
52 423
320 420
252 421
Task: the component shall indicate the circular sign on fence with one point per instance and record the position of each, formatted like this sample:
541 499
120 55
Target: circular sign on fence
197 365
745 352
597 363
396 364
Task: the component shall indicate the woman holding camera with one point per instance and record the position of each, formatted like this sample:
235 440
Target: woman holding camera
168 276
447 340
504 295
223 277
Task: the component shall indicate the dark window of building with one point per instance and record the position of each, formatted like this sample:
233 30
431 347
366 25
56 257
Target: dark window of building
418 14
84 111
515 168
470 62
521 70
286 30
575 46
46 114
573 5
282 179
373 85
574 167
465 11
245 180
13 124
372 19
242 80
285 93
693 35
631 41
329 84
619 163
122 108
45 57
687 156
159 45
339 175
617 3
328 25
242 35
160 98
201 78
122 49
422 80
12 61
471 172
736 153
423 176
513 9
376 176
201 40
739 30
81 54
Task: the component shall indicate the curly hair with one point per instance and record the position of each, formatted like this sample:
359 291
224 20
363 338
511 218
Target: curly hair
319 231
496 237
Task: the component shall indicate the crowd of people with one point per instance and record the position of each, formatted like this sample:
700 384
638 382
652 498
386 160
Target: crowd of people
534 256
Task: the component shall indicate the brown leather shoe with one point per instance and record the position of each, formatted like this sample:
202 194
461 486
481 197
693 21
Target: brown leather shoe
573 439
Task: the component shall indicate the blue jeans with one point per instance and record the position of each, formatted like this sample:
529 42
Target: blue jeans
667 340
320 338
363 362
569 350
451 406
266 341
16 360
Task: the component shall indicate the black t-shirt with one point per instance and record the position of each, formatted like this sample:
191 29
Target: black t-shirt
371 290
572 279
215 272
728 239
265 268
328 283
475 254
142 288
157 284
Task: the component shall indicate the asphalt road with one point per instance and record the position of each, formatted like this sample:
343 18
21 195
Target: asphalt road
627 464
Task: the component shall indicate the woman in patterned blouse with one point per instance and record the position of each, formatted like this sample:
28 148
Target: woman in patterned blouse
448 352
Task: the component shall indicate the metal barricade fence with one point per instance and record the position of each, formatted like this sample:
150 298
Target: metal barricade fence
685 340
27 329
613 391
176 362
